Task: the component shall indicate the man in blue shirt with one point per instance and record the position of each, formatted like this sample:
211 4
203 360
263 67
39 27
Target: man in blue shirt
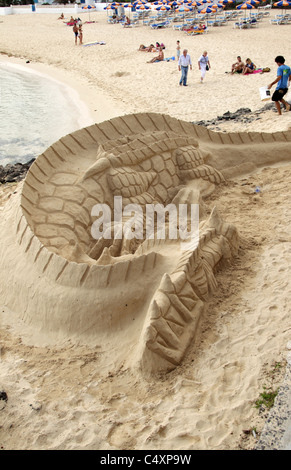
282 80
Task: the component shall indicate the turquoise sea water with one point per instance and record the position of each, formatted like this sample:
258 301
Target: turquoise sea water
35 111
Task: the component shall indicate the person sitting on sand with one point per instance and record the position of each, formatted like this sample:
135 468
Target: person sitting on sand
249 67
238 66
127 22
61 17
158 58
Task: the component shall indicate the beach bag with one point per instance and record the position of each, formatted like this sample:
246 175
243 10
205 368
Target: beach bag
207 67
266 69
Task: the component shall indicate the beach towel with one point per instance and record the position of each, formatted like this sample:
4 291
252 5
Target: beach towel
255 71
93 43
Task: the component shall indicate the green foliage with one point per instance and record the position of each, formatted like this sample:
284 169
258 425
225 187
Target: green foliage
267 398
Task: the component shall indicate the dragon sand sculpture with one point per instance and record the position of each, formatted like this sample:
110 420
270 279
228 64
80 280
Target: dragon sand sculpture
61 280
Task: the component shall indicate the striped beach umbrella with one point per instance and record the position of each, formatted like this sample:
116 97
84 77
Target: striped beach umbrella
163 8
209 9
253 2
245 6
283 4
89 7
183 9
111 6
142 7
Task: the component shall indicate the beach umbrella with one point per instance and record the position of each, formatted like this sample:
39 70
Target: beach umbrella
282 3
143 8
245 6
128 5
89 7
253 2
183 9
208 10
163 8
111 6
195 6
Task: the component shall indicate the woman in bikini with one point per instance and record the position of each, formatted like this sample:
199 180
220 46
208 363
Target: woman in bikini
249 67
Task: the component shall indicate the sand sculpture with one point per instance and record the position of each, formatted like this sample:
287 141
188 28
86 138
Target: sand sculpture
60 280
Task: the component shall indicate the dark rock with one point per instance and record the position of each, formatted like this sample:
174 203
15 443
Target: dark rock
3 395
12 173
244 115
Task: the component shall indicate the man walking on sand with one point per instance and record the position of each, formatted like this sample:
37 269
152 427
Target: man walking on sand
183 64
282 80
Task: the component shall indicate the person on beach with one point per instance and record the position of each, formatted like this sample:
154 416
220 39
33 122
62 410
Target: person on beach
80 35
201 27
178 53
203 64
283 81
150 48
249 67
158 58
76 32
238 66
183 65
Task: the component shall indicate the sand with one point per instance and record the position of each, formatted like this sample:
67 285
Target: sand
73 396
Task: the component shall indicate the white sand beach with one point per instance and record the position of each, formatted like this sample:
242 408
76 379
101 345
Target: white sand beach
69 395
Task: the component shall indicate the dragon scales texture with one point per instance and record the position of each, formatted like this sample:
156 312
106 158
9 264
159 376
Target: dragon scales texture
75 287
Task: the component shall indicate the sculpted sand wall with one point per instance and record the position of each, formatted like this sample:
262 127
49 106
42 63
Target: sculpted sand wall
60 280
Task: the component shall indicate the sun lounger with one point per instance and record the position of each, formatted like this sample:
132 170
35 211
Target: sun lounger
279 21
164 24
180 27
